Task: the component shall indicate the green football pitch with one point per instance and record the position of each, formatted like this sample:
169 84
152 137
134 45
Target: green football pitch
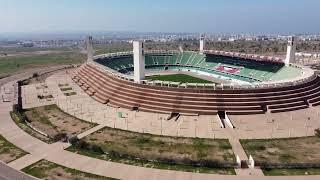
178 78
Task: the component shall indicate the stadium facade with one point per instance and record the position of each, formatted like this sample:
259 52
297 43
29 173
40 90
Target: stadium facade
252 84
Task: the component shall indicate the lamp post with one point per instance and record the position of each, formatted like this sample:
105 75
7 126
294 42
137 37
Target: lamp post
308 119
272 128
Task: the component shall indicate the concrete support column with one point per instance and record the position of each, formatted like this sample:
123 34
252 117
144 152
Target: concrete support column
202 43
89 47
291 51
138 61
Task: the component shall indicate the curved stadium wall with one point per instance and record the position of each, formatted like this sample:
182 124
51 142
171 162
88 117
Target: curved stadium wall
107 85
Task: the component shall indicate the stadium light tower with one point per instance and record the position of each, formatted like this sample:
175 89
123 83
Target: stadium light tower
138 61
89 47
202 43
291 51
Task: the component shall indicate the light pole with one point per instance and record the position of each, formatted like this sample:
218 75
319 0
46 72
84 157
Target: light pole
308 119
161 125
272 128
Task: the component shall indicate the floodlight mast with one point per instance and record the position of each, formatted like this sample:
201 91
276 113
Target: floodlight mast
291 51
138 61
202 43
89 48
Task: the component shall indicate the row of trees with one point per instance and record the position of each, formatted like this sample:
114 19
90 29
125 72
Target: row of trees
253 47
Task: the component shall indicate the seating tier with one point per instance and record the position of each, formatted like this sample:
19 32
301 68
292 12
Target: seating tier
106 88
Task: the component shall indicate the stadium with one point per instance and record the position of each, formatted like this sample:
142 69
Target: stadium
207 113
237 84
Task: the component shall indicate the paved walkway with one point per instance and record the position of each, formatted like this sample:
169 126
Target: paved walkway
25 161
90 131
238 150
56 153
8 173
279 125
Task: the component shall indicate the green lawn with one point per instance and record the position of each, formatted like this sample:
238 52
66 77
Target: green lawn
178 78
291 172
48 170
9 65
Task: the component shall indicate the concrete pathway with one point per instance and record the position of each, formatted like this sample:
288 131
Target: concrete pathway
25 161
238 150
90 131
8 173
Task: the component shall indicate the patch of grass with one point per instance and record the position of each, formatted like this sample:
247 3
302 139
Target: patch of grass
45 97
9 150
256 146
286 158
66 89
143 140
52 121
178 78
70 94
50 107
28 130
9 65
157 165
62 85
34 115
290 150
291 172
44 169
175 153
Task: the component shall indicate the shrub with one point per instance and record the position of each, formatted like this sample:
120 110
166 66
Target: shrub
96 149
60 137
73 140
34 75
143 140
114 154
225 146
81 144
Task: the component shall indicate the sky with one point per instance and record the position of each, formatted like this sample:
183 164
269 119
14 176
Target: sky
214 16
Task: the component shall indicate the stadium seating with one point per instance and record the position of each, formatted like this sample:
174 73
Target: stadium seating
109 89
149 61
249 71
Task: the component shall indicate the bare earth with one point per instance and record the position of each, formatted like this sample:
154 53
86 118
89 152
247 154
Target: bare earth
295 150
153 147
51 120
50 171
9 152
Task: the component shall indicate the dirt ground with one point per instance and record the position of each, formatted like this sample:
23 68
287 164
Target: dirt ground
37 80
40 79
50 171
157 147
294 150
32 53
9 152
51 120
